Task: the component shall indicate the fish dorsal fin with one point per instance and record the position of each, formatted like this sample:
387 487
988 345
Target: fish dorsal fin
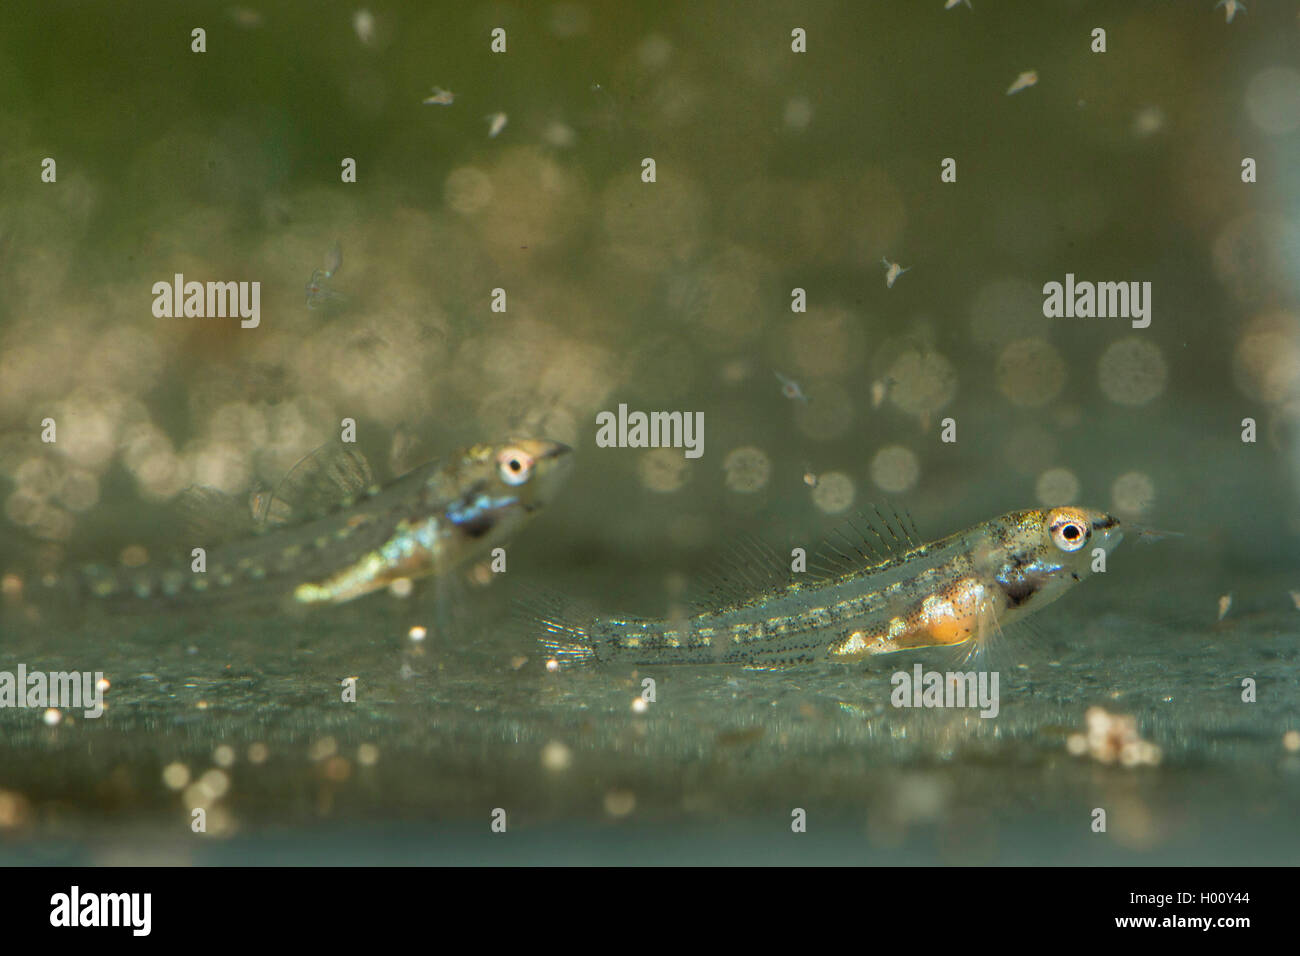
873 535
748 568
212 517
332 477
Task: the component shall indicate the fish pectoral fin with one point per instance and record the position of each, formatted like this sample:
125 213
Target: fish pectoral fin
978 651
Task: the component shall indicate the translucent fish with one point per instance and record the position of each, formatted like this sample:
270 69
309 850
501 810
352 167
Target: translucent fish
1023 82
440 97
879 589
496 123
790 389
329 534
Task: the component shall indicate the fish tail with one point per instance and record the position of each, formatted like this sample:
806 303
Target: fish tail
567 644
560 630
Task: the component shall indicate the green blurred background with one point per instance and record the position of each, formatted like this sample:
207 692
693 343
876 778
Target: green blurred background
775 170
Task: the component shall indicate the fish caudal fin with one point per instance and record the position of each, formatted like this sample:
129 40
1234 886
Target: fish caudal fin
556 623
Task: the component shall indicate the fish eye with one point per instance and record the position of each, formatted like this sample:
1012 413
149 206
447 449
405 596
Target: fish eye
514 466
1069 533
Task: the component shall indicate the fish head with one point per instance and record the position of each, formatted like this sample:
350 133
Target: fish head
1074 535
496 487
1041 554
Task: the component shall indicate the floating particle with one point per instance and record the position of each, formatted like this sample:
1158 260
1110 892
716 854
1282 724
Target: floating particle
639 705
664 470
922 383
134 556
36 476
1057 486
1111 738
1231 9
467 190
258 752
895 469
1023 82
401 588
880 389
1266 362
619 803
1148 121
1132 371
560 135
440 97
1291 740
79 490
103 684
323 749
367 755
496 123
747 469
1030 372
1132 493
552 665
810 478
1273 100
556 757
654 51
1225 602
53 717
175 776
1295 599
418 633
834 493
337 769
224 756
246 18
363 23
13 809
892 271
949 4
790 389
214 783
798 113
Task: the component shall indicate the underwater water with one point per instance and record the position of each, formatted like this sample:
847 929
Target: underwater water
838 258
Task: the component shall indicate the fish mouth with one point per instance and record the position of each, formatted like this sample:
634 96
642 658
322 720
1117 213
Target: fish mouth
553 462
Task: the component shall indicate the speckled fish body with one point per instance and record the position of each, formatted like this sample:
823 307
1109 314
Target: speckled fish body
949 592
437 517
